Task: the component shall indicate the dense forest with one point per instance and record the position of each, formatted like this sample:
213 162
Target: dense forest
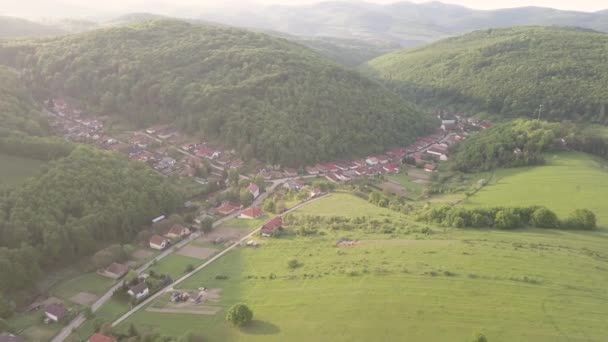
78 205
279 100
17 110
516 143
551 72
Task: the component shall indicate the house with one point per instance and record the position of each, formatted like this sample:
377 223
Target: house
251 213
332 177
178 231
291 173
159 242
139 291
155 129
272 227
6 337
391 168
371 161
55 312
227 208
254 190
321 168
115 270
383 159
448 126
311 170
430 167
294 184
101 338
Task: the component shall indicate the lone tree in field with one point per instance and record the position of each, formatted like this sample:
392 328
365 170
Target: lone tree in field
239 315
479 337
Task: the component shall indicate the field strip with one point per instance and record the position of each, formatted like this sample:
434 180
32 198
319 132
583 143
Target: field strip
209 262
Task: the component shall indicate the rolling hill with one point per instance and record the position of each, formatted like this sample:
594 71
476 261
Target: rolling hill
11 27
511 72
268 97
406 23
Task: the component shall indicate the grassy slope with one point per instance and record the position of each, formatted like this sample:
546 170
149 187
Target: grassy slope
398 295
567 182
14 170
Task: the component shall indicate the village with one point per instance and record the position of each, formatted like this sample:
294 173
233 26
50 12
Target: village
170 152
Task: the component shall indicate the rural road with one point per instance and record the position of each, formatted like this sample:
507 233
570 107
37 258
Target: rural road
80 319
207 263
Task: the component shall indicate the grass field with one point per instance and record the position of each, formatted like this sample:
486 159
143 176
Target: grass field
539 285
175 265
88 282
414 189
568 181
14 170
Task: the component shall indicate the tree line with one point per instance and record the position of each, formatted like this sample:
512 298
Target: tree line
506 218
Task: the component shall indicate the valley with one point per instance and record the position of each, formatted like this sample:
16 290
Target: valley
329 172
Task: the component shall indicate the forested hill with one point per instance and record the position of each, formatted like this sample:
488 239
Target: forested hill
271 98
79 204
11 27
511 72
17 110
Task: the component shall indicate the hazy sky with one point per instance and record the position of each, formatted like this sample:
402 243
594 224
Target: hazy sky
51 8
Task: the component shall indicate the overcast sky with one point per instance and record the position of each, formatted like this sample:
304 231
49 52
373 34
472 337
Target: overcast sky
84 8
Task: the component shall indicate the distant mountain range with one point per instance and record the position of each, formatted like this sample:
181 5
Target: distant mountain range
407 23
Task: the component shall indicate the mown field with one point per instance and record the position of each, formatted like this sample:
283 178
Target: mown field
15 170
413 284
568 181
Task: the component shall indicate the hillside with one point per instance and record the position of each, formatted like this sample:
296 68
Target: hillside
406 23
78 204
17 110
510 72
269 97
11 27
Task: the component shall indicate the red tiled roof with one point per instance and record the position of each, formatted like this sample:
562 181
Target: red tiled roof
101 338
252 212
253 187
56 309
176 229
273 225
118 269
226 208
157 240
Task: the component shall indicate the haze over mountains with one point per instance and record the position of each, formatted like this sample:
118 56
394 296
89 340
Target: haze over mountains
408 24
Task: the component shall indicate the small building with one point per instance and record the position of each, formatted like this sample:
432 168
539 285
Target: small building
311 170
178 231
430 167
391 168
251 213
291 172
6 337
158 219
372 161
159 242
227 208
139 291
294 184
55 312
101 338
272 227
115 270
254 190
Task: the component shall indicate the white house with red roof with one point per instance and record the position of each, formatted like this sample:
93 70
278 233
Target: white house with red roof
254 190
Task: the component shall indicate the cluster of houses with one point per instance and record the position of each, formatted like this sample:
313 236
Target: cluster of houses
426 152
175 232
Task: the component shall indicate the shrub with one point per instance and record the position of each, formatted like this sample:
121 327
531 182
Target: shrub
239 315
221 277
293 264
581 219
189 268
544 218
506 219
479 337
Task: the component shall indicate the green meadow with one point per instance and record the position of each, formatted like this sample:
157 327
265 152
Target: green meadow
15 170
413 284
568 181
